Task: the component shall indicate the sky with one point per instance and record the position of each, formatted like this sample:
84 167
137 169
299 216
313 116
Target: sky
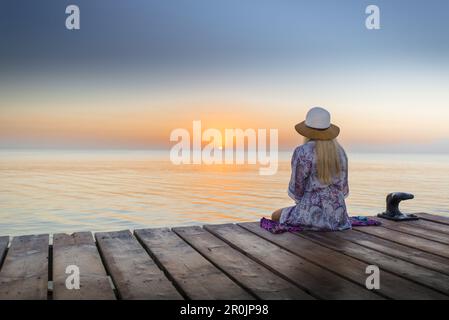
138 69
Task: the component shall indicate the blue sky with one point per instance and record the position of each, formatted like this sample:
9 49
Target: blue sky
148 33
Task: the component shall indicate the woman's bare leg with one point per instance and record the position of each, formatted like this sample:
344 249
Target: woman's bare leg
276 216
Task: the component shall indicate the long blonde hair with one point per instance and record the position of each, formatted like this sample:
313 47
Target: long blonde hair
328 159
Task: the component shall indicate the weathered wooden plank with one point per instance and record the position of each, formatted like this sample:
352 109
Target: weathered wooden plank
319 281
409 240
397 250
416 230
24 275
433 218
3 246
393 286
194 274
428 225
255 278
339 241
79 249
134 273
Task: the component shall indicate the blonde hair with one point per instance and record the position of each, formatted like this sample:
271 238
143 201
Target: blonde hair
328 159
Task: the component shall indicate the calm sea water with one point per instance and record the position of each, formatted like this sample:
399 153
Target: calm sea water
55 191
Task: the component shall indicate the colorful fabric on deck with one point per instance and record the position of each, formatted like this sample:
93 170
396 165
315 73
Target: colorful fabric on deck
276 227
361 221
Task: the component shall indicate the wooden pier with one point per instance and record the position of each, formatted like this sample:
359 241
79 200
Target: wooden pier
232 261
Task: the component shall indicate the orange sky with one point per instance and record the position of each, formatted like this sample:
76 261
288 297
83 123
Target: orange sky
406 108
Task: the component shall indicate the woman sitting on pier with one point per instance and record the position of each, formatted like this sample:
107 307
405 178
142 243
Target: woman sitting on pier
319 179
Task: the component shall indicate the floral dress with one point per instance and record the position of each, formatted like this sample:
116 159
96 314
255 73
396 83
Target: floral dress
318 207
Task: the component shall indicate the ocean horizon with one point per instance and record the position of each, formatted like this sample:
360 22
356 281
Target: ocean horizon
52 191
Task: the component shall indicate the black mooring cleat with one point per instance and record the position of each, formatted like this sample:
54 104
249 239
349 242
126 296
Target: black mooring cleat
393 212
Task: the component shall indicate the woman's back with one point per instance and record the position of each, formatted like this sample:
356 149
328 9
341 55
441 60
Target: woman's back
319 205
308 153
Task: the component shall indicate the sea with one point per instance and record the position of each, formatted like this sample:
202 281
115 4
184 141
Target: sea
53 191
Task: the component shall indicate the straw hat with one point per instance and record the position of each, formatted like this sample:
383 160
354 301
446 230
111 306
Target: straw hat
318 125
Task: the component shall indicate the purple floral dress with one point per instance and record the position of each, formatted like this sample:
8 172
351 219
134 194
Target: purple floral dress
318 207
